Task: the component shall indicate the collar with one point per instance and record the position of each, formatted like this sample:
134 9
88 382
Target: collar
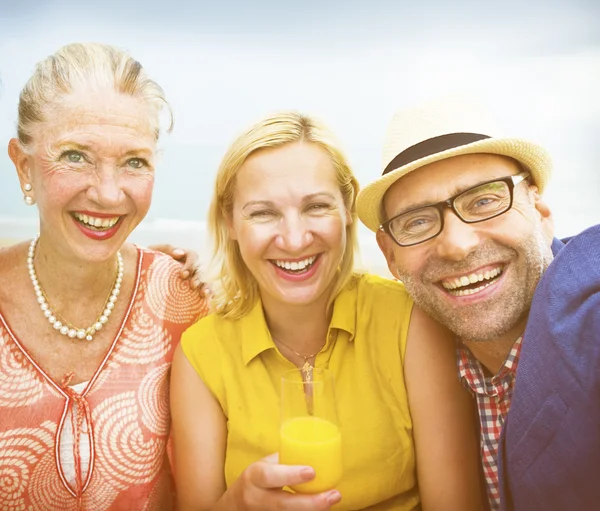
558 244
472 374
256 338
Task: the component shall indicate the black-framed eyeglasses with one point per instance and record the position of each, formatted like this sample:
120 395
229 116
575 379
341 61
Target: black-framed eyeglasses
476 204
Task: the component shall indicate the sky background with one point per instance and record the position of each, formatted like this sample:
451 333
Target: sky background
224 64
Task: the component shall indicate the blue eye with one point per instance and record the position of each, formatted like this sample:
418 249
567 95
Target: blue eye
73 156
484 202
137 163
416 223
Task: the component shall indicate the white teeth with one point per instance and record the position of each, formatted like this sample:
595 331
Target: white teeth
296 265
472 278
96 222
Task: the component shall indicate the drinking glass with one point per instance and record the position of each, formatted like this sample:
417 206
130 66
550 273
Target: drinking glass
310 431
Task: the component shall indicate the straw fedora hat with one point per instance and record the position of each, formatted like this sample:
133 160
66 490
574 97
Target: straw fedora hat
438 130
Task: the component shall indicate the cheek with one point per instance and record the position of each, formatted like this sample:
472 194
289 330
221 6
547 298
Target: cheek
409 262
332 228
253 239
140 190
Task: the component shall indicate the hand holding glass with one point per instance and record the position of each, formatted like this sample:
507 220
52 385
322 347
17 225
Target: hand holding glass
310 433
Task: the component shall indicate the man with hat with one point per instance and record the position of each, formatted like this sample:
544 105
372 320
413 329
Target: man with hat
460 218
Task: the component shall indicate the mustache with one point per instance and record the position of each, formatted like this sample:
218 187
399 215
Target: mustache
486 253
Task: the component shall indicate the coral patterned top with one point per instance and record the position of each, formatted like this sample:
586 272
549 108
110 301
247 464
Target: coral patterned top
123 410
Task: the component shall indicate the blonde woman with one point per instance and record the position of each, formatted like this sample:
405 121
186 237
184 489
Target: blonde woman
283 223
88 322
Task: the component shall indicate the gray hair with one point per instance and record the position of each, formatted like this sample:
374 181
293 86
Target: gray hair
87 65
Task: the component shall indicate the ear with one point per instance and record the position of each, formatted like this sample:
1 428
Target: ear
544 211
20 160
387 246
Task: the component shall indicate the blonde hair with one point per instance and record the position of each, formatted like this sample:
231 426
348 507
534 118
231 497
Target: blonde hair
86 65
234 288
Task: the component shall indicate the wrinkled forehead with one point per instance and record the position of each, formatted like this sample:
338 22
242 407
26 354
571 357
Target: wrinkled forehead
96 109
443 179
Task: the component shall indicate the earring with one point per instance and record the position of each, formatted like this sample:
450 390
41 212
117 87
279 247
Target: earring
28 200
28 187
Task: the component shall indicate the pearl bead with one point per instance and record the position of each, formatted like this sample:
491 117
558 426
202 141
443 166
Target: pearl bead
68 330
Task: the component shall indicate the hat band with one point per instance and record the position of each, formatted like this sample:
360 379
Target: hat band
432 146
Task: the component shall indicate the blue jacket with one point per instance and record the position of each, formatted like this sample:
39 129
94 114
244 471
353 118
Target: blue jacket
549 452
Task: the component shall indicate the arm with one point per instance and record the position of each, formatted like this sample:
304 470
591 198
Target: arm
444 420
200 436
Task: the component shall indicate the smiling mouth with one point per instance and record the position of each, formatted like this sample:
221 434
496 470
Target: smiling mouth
472 283
295 267
95 223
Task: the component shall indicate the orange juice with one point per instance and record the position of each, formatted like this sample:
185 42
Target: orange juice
314 442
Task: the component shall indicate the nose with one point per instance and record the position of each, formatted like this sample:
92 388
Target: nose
458 239
295 234
106 191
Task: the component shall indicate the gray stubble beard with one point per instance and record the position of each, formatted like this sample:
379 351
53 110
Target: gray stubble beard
485 321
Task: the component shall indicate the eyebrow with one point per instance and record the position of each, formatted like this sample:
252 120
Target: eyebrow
74 145
141 151
424 204
305 199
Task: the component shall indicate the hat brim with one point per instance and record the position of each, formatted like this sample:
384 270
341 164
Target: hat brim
532 156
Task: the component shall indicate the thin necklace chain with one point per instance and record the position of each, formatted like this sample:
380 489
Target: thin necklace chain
307 367
64 327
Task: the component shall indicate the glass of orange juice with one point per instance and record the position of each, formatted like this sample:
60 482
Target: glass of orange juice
310 432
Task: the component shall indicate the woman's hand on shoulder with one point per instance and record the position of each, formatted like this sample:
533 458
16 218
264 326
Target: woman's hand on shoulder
260 488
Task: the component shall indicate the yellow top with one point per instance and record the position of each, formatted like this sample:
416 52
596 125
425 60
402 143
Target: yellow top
366 343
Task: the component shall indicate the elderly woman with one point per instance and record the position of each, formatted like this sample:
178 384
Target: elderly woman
286 296
88 322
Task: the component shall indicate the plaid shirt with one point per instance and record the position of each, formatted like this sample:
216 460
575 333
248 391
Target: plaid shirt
493 397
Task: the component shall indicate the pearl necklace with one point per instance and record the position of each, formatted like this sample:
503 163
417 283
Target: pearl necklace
64 327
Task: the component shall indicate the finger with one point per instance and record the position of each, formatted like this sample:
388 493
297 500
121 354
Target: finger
196 283
304 502
266 474
271 458
178 253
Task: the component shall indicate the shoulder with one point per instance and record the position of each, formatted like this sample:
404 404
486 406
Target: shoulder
161 278
372 287
211 333
581 251
565 311
574 274
13 268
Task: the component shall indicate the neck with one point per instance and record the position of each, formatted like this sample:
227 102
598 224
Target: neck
492 353
65 279
302 327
